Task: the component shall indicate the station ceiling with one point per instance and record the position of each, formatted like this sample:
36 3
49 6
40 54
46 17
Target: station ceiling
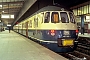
70 3
10 8
15 6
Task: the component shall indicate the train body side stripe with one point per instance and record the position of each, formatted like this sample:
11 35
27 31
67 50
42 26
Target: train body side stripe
44 40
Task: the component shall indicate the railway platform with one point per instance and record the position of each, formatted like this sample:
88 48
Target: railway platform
84 35
16 47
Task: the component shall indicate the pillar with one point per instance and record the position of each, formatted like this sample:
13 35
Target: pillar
82 24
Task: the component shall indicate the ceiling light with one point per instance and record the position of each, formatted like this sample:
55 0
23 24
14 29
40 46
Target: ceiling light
7 16
12 16
8 25
2 11
0 21
0 5
87 17
4 16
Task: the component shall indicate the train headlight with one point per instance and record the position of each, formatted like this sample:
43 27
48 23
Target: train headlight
66 33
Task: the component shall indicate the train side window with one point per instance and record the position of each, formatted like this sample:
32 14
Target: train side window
72 20
35 22
30 23
55 17
42 14
64 17
47 17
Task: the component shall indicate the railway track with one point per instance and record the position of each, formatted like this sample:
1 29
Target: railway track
84 45
82 51
76 55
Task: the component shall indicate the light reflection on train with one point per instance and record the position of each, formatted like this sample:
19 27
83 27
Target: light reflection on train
52 26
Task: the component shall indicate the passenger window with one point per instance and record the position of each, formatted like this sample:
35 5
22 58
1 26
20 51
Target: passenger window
55 17
47 17
42 14
64 17
35 22
72 20
30 23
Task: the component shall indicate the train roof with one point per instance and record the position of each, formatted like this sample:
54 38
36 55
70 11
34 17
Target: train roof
50 8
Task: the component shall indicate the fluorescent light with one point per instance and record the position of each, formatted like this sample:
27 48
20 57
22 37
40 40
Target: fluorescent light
8 25
2 11
7 16
0 5
0 21
4 16
87 17
12 16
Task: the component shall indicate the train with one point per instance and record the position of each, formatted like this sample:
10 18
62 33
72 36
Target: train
55 27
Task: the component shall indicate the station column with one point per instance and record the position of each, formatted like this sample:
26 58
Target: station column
82 24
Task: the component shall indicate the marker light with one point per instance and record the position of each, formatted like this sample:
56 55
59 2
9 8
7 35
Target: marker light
52 32
76 31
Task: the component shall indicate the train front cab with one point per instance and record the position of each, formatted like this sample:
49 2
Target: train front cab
65 35
60 42
58 30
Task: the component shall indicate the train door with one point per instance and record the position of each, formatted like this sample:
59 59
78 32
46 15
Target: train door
22 29
26 29
18 28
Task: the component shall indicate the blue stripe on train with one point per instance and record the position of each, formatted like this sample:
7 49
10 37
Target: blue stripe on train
58 34
45 34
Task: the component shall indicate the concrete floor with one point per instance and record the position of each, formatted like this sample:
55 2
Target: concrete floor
16 47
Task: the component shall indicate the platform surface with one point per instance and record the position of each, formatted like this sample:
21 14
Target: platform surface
84 35
16 47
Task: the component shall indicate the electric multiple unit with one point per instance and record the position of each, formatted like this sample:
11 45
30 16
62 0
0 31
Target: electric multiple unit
52 26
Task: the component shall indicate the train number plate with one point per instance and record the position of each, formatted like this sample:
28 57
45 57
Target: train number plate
67 42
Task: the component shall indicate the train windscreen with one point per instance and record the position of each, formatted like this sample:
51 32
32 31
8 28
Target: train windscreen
47 17
72 20
64 17
55 17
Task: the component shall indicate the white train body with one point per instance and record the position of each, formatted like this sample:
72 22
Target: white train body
51 26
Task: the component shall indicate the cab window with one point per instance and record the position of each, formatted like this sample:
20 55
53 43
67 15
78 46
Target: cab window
64 17
72 20
47 17
55 17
